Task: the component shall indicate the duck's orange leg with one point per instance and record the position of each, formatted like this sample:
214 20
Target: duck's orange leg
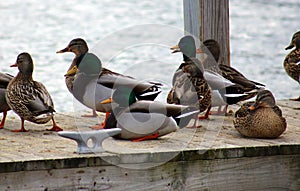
206 114
22 127
102 125
3 120
55 127
220 111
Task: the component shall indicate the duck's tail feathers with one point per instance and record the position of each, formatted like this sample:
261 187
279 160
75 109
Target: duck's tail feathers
150 93
235 98
258 84
185 116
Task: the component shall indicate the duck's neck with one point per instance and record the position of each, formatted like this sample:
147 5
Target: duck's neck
24 76
186 58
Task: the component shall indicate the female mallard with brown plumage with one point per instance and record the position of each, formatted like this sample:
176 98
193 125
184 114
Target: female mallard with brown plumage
86 76
291 62
4 107
28 98
260 119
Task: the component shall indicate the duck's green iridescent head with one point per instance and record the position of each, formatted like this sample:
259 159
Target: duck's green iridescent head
187 46
124 96
295 42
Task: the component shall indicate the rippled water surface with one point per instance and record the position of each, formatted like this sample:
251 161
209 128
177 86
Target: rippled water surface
133 37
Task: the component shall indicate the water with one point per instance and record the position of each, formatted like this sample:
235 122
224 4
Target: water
259 32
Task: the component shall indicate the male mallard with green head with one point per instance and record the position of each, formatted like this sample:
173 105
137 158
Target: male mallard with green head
189 85
4 107
291 62
28 98
86 76
143 120
260 119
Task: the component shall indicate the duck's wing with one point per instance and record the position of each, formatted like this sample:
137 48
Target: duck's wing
292 64
216 81
169 110
236 77
180 113
39 100
143 90
5 79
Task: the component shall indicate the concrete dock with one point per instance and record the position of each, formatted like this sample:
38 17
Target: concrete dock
214 157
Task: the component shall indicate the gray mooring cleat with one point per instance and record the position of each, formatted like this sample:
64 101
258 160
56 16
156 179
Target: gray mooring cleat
96 136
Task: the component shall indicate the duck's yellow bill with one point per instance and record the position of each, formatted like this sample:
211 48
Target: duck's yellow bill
72 71
175 48
109 100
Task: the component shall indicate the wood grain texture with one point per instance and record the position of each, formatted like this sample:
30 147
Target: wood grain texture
209 19
251 173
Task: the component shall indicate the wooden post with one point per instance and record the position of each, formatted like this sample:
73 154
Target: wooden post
209 19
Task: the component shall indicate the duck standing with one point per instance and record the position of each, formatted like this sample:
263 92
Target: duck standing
189 85
4 107
260 119
28 98
291 62
86 76
229 85
144 120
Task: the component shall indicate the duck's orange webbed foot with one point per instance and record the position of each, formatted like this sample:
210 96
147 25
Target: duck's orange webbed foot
19 130
148 137
55 127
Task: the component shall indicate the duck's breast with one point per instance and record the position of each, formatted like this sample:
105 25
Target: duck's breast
96 93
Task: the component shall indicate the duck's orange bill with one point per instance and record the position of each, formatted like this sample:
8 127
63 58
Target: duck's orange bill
14 65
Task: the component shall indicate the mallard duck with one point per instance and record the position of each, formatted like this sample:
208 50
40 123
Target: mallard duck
227 71
235 87
291 62
4 107
28 98
260 119
189 85
86 76
142 120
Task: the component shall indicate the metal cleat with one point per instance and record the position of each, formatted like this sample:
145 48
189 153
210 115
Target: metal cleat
96 136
